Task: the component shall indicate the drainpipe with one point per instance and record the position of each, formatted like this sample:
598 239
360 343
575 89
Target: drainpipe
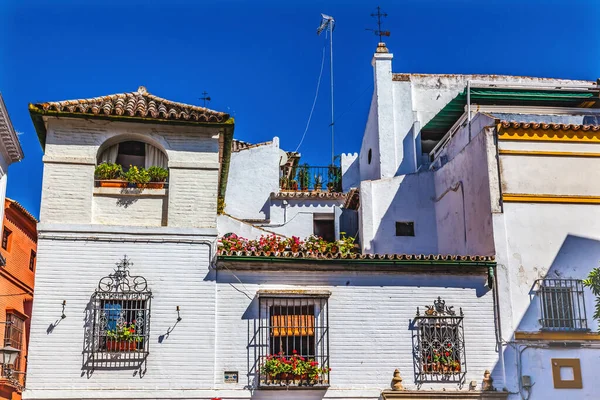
469 107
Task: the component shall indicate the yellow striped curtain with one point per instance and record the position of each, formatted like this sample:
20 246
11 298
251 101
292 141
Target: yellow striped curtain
292 325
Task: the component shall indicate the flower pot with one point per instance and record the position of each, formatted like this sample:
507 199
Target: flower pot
155 185
113 183
120 345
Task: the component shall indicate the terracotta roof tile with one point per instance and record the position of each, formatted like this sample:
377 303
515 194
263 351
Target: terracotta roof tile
309 195
355 256
549 126
23 210
135 104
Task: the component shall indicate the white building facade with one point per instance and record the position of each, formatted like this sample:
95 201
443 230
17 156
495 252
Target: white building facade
176 319
500 166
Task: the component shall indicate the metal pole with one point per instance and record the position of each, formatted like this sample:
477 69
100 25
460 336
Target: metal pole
331 74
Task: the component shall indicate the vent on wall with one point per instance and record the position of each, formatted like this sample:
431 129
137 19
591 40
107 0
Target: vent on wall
405 228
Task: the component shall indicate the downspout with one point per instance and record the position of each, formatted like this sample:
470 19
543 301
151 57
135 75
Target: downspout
469 107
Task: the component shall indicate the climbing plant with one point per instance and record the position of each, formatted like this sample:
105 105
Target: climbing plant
593 282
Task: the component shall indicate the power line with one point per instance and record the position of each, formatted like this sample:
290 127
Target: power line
314 101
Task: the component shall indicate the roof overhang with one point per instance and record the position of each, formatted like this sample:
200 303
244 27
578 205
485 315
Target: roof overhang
369 263
8 135
441 123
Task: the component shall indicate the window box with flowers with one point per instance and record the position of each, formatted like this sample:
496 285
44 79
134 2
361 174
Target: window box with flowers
112 175
311 246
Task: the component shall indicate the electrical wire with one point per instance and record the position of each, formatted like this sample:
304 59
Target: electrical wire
314 101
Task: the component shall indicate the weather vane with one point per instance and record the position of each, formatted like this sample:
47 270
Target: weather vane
205 97
378 31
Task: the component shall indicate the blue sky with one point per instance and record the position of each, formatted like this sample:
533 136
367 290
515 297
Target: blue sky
260 60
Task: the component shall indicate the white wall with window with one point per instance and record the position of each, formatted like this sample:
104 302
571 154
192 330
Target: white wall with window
361 324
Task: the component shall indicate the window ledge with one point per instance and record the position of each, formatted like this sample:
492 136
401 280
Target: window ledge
560 336
293 387
110 191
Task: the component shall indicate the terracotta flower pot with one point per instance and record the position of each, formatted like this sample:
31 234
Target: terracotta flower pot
155 185
113 183
120 345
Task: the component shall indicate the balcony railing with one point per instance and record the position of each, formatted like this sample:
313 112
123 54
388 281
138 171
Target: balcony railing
309 179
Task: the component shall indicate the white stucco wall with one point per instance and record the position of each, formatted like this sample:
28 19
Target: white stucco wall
72 147
294 217
402 198
536 241
350 165
369 321
370 168
253 176
462 192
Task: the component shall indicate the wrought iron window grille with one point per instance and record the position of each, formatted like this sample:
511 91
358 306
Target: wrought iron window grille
562 304
439 344
292 342
118 326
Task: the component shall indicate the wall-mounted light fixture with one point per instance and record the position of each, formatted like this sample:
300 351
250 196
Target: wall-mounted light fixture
8 356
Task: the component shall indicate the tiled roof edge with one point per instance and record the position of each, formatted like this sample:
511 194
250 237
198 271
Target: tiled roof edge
548 126
299 256
323 195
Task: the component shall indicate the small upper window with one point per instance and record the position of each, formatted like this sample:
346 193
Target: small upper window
369 156
32 257
405 228
561 304
6 239
324 226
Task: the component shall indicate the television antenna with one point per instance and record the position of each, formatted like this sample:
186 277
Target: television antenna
378 31
328 24
205 98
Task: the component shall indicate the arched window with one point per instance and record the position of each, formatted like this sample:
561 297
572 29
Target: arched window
134 153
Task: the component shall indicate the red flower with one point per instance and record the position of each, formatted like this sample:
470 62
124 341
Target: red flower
294 352
447 354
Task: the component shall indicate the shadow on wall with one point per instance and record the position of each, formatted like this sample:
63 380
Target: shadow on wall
412 202
574 260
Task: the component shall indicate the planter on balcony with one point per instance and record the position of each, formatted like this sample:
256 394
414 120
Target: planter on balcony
113 183
120 345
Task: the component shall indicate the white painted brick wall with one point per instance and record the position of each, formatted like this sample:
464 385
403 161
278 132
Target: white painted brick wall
369 318
70 270
69 162
141 210
193 197
67 193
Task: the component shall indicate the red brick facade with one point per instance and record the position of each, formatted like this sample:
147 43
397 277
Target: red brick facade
19 250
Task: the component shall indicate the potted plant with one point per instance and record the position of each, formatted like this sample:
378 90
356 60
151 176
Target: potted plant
303 177
137 176
318 183
122 338
294 184
158 177
334 179
109 175
283 183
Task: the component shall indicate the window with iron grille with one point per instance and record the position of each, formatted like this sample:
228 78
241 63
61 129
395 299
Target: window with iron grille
293 341
439 344
13 334
32 257
121 318
562 306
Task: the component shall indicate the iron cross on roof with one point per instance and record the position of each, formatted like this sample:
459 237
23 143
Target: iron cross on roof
378 31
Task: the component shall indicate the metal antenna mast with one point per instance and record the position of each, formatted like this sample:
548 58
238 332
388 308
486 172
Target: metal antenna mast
205 97
378 31
328 23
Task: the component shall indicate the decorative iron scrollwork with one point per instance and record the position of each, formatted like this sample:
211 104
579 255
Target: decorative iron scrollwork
439 344
439 309
120 281
121 318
